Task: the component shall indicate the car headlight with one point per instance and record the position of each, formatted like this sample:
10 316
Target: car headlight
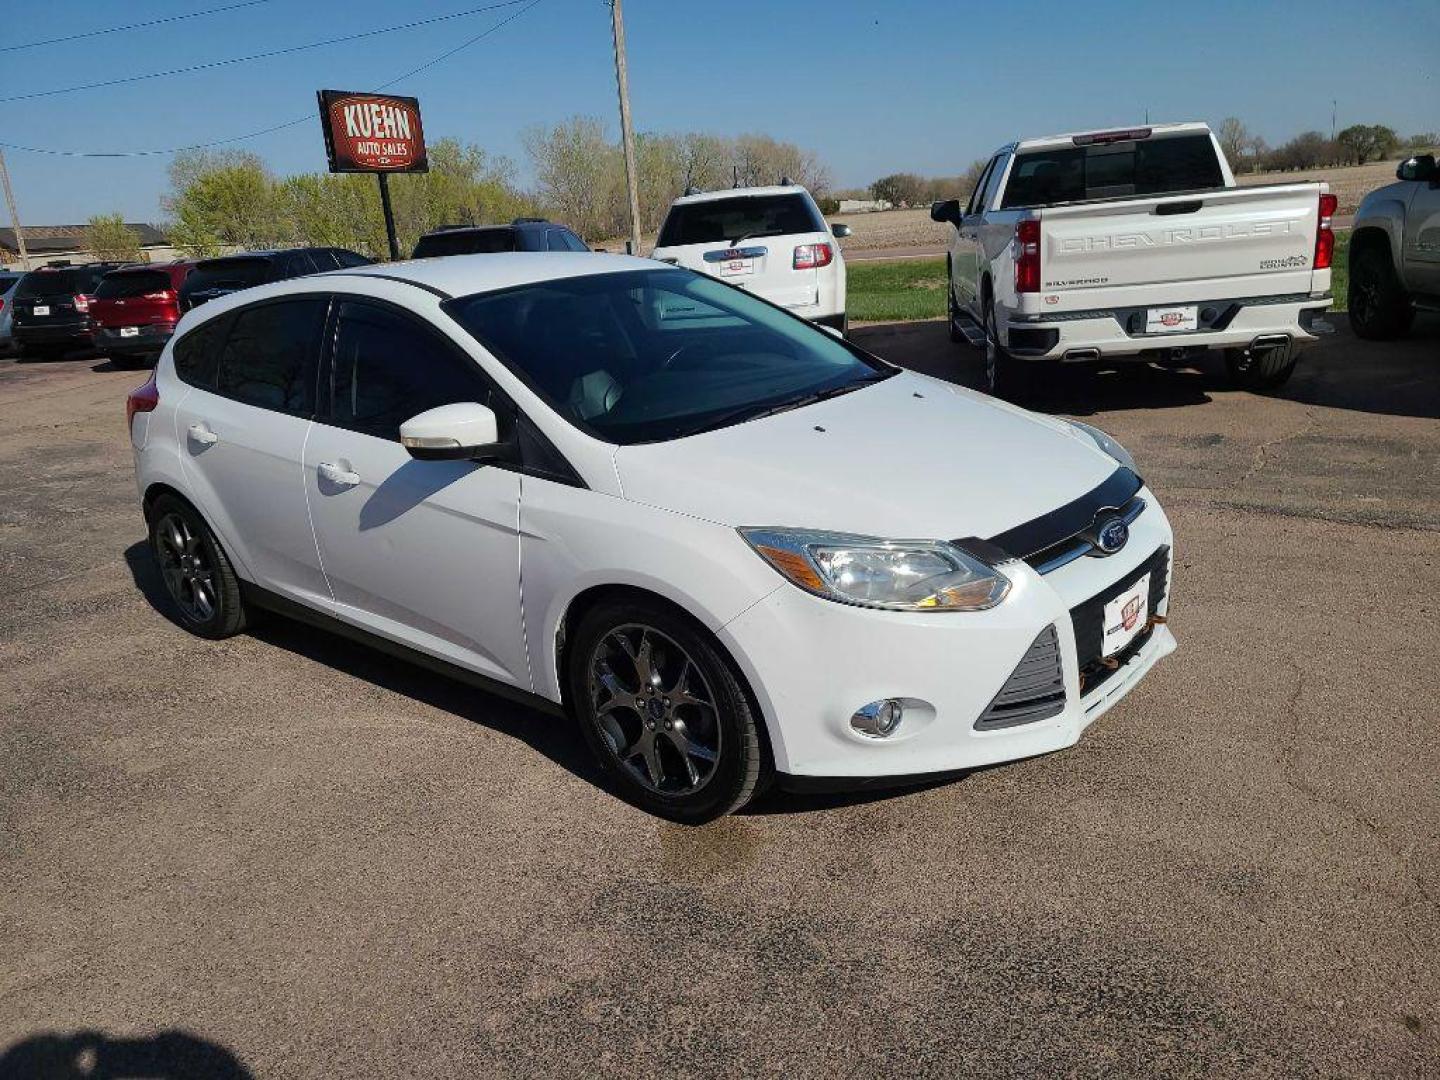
1106 443
900 575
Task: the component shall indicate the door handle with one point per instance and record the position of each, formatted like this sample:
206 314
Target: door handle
336 475
201 434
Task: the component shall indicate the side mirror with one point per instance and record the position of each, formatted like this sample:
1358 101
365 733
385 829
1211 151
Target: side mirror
946 210
464 430
1419 167
839 230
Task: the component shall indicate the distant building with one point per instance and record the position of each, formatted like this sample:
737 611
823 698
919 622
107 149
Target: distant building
69 243
853 206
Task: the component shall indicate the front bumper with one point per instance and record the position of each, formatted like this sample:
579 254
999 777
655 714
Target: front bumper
812 663
1119 332
147 341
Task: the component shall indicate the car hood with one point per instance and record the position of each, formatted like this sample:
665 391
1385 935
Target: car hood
911 457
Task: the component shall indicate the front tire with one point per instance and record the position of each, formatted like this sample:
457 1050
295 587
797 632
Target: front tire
664 712
196 572
1261 369
1378 307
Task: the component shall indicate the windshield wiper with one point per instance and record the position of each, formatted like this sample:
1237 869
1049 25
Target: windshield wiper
758 410
753 236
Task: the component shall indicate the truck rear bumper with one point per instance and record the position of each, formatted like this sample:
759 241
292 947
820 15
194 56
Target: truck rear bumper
1225 324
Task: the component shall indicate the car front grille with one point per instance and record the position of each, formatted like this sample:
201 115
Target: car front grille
1034 691
1088 620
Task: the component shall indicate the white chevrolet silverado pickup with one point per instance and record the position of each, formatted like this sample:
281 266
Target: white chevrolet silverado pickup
1112 246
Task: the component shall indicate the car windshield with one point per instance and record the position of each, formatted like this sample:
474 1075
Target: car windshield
644 356
465 242
128 283
57 282
1154 166
239 273
728 220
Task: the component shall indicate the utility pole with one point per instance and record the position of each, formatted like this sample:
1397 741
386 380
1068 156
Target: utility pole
1333 105
14 217
627 133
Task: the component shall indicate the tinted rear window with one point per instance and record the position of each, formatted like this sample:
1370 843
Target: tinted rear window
58 282
230 274
466 242
131 283
1114 170
728 220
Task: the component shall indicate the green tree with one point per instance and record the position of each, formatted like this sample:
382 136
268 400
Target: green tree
220 200
1368 142
112 240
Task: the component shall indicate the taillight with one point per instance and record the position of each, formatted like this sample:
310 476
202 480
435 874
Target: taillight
163 294
82 303
144 398
1027 257
813 256
1325 235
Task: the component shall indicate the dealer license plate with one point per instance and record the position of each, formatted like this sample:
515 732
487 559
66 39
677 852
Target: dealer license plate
1171 320
42 309
737 267
1125 616
129 331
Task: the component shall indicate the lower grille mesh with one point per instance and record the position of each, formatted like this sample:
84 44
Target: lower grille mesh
1034 691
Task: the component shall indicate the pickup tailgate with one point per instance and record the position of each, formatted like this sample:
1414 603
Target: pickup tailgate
1229 243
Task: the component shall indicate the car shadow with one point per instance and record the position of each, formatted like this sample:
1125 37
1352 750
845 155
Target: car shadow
1393 378
555 737
167 1055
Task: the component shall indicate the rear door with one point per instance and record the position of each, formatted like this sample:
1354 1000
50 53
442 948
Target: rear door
749 241
242 434
422 552
134 298
965 252
1422 239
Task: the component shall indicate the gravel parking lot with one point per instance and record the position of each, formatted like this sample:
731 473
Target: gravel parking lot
285 855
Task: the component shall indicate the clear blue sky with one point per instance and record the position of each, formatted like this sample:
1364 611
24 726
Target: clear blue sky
874 87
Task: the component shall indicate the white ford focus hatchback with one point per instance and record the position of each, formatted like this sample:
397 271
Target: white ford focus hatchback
731 545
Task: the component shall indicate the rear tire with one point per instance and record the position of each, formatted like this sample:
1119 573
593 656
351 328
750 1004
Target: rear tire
1262 369
1378 307
1005 376
195 570
664 712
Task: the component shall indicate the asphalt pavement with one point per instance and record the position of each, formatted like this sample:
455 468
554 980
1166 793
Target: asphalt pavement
286 855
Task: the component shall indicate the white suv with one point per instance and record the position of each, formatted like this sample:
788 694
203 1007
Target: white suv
771 241
630 492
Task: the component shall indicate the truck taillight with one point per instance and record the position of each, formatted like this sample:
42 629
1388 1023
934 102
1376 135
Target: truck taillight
144 398
82 303
1325 235
1027 257
813 256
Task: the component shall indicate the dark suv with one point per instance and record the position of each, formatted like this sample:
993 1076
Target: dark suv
222 276
522 234
52 308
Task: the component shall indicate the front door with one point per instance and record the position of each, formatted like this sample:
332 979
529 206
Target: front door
426 553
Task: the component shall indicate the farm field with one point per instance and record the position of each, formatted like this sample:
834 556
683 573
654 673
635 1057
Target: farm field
909 289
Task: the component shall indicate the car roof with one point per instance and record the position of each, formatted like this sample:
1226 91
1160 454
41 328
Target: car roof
739 192
461 275
1068 137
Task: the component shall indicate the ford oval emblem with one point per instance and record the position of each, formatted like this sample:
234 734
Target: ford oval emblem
1112 536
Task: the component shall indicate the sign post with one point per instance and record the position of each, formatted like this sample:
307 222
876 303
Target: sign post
374 133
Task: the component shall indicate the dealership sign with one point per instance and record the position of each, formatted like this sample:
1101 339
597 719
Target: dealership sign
372 132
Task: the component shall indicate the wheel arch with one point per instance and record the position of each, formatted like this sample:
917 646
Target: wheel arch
587 599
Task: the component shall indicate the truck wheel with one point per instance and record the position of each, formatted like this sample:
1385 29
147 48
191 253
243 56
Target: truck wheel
1379 308
952 309
1005 376
1261 369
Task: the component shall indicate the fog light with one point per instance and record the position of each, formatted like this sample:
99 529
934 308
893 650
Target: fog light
879 719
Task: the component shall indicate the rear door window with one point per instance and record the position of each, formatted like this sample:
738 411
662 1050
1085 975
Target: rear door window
269 358
239 273
386 368
347 259
131 283
466 242
53 283
1137 167
741 217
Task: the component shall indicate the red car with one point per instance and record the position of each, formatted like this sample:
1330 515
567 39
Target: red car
135 310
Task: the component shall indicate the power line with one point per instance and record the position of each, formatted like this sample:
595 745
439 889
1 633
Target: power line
274 127
131 26
257 56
